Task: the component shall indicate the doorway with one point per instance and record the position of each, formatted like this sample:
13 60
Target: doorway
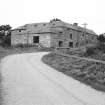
35 39
71 44
60 43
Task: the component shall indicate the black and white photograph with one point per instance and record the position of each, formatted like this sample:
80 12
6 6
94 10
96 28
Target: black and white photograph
52 52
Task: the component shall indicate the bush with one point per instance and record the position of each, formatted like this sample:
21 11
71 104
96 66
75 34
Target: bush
90 51
101 38
6 41
101 46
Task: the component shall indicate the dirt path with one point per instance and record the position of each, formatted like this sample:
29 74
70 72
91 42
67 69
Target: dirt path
28 81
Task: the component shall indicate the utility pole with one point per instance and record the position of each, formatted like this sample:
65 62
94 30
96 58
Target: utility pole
28 38
84 32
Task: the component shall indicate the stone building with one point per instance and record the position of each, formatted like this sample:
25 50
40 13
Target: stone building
55 33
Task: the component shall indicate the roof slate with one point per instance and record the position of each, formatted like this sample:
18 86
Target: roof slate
46 27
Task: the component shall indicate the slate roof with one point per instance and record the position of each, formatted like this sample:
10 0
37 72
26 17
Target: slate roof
78 28
35 27
46 27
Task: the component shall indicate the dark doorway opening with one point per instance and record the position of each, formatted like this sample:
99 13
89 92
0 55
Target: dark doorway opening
35 39
60 43
70 44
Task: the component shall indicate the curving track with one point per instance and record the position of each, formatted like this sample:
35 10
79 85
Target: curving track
28 81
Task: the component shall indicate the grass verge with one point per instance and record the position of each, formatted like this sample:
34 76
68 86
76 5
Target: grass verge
88 72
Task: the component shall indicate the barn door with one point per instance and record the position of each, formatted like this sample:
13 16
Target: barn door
35 39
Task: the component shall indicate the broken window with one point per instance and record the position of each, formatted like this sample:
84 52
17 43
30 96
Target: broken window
19 30
70 44
60 32
44 24
35 39
60 43
76 44
68 28
70 36
35 25
83 35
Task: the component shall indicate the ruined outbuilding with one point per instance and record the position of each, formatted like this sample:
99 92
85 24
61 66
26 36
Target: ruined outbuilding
55 33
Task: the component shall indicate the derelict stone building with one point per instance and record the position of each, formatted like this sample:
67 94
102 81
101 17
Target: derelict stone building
55 33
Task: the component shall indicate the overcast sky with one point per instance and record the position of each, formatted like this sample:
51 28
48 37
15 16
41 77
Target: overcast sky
20 12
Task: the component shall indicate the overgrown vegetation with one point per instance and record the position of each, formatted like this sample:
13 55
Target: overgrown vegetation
94 51
101 38
90 51
101 43
88 72
97 51
5 35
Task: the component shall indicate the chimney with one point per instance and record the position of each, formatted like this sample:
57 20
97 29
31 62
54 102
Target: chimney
75 24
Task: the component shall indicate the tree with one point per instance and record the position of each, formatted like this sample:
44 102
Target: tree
101 42
7 27
5 35
4 29
101 38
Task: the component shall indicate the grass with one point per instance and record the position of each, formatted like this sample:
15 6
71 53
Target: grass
94 52
88 72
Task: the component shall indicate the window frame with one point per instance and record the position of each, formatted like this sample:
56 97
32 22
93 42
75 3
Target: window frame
71 36
71 44
60 43
35 39
20 30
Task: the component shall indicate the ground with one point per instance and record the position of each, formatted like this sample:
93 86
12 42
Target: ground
61 88
29 81
6 51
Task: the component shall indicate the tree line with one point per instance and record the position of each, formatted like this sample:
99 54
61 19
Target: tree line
5 35
5 30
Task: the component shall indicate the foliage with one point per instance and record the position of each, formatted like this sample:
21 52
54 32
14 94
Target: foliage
90 51
5 34
88 72
101 46
101 38
6 41
101 43
4 29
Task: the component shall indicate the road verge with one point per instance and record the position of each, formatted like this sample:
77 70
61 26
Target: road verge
88 72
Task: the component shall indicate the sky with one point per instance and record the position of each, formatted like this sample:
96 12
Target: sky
20 12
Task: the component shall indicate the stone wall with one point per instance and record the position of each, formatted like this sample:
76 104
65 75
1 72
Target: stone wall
18 39
44 40
27 38
77 38
51 34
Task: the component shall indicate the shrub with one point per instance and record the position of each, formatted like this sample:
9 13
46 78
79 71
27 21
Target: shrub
101 46
101 38
90 51
6 41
